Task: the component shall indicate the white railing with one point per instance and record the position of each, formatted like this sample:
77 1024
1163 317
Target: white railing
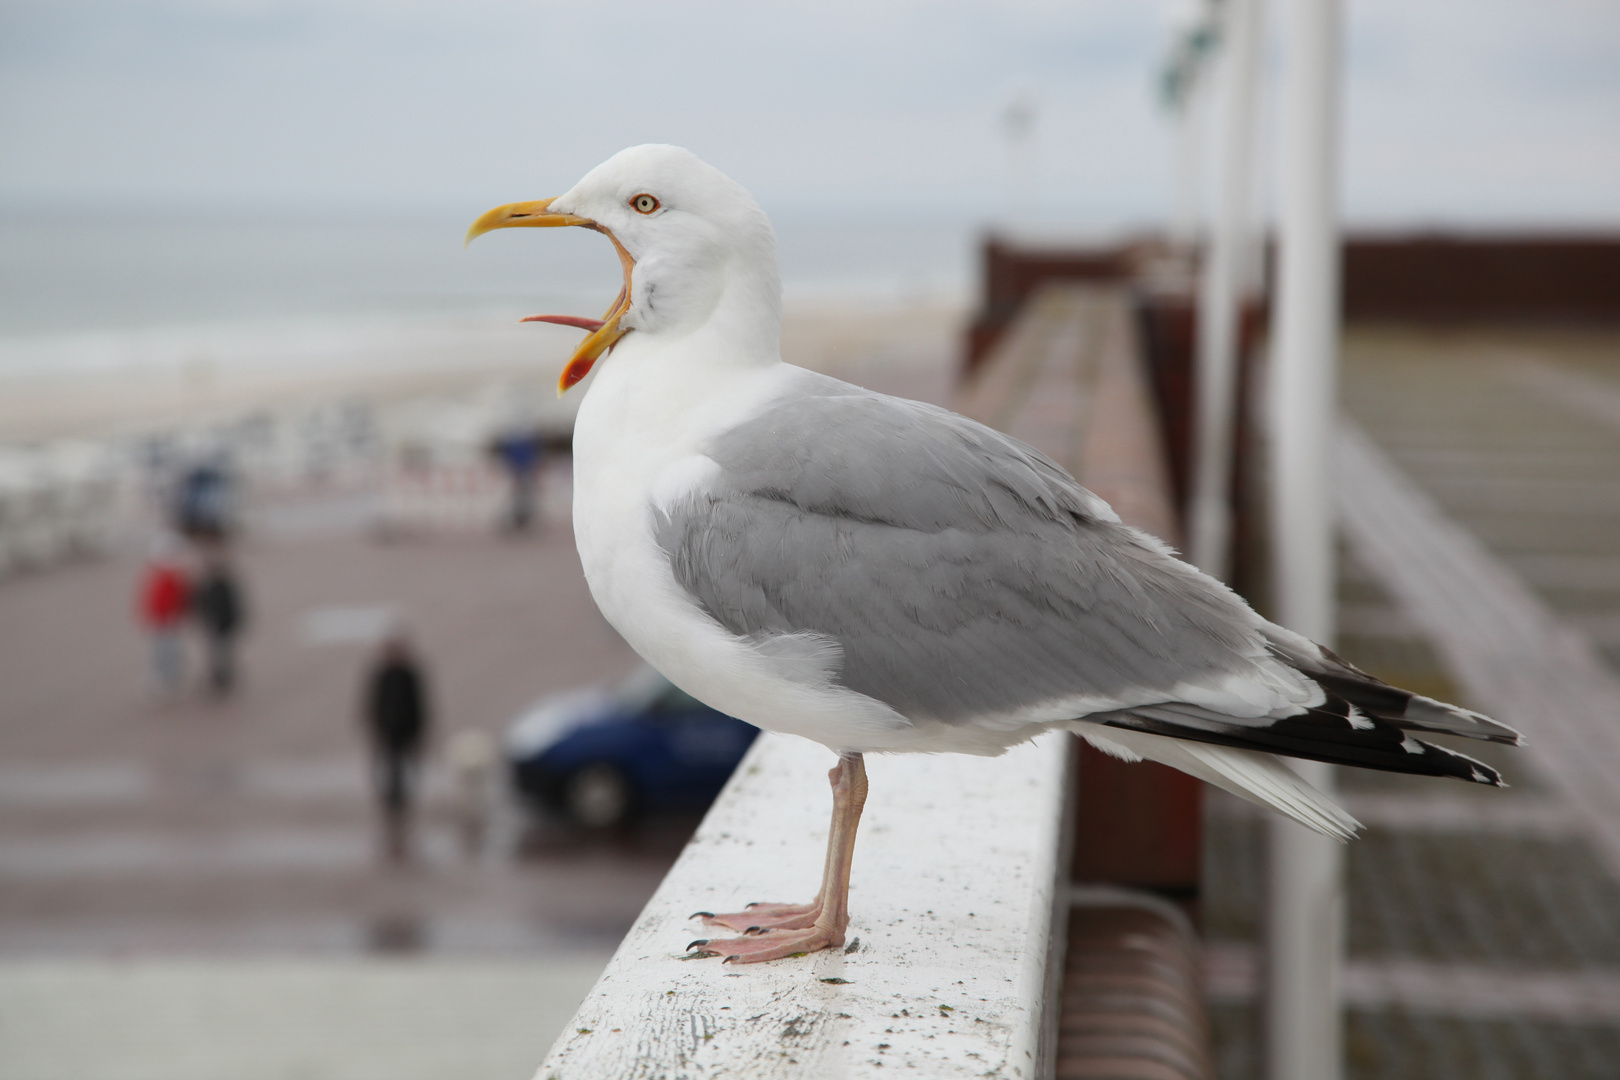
948 963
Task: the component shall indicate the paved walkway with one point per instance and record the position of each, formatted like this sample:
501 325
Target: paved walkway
195 889
281 1018
140 824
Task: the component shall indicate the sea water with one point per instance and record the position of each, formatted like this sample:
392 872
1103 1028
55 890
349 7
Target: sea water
85 294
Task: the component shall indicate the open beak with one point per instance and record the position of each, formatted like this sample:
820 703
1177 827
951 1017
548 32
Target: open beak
603 333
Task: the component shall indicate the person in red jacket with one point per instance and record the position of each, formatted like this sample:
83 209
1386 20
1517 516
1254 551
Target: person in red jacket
162 603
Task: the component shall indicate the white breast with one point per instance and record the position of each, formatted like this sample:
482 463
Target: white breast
638 442
638 446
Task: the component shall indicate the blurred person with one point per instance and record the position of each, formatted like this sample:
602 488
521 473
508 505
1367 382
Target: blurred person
220 609
161 603
205 502
397 717
520 453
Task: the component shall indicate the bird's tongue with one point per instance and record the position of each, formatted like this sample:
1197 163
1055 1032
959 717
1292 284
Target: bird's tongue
601 335
576 321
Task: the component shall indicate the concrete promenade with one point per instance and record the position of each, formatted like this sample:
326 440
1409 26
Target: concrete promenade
197 888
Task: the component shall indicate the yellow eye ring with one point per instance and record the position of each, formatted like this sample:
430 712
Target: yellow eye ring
644 203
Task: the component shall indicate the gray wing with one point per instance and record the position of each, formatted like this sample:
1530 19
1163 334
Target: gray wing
964 574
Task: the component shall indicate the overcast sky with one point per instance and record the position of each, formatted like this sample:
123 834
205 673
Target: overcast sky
1459 111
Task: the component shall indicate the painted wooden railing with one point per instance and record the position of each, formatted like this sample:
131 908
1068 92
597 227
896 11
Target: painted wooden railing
946 963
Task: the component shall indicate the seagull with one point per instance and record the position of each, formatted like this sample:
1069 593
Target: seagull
884 576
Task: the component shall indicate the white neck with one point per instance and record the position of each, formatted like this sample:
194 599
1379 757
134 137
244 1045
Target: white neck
720 283
662 392
747 318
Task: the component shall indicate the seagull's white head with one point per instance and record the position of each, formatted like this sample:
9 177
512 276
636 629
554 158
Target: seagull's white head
690 240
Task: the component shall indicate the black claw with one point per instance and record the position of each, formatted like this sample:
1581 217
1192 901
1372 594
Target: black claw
754 930
730 959
701 915
753 903
695 944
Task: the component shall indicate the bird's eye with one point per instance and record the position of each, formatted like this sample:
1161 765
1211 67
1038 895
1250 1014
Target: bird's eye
644 204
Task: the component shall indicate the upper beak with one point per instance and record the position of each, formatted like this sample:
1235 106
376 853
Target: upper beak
605 332
534 214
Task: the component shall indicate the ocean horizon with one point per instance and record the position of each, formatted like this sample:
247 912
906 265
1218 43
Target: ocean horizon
105 296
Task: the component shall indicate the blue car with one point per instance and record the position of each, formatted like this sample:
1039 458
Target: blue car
602 755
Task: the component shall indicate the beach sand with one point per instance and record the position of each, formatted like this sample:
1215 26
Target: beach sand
107 386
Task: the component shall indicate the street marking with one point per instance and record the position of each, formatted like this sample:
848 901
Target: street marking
351 625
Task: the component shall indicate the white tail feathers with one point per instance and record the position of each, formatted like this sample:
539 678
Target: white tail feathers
1248 774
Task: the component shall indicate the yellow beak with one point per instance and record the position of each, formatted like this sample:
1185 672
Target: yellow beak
604 332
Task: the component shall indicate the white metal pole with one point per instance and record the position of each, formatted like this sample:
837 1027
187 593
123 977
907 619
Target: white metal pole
1184 224
1222 281
1305 916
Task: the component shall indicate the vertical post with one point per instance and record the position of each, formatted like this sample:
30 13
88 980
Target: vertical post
1305 917
1223 279
1184 221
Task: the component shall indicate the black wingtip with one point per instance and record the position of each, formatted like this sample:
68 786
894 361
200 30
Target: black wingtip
1426 714
1335 732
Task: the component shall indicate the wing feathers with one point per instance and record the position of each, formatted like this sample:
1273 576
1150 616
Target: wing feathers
1258 777
1404 709
1335 733
1427 714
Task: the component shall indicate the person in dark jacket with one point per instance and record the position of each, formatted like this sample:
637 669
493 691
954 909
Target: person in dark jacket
397 717
520 453
217 604
204 507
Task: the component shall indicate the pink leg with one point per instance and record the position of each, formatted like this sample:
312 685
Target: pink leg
778 930
758 917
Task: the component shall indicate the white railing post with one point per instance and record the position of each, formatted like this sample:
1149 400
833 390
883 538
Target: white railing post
1223 281
1305 916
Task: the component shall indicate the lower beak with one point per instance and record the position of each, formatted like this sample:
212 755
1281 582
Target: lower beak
604 332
